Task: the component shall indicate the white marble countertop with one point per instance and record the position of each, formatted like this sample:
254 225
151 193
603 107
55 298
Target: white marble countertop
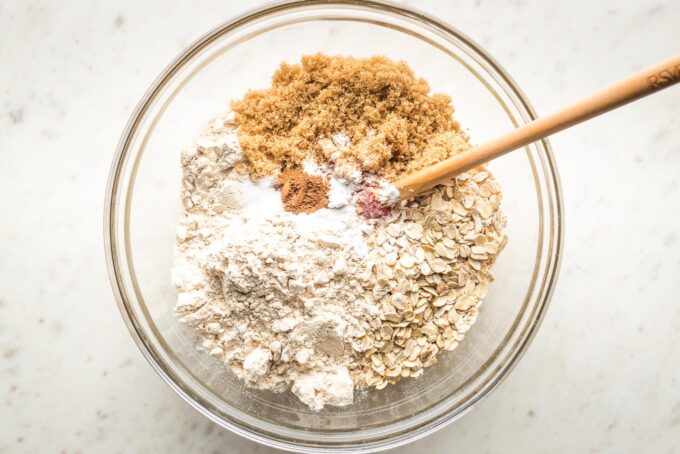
602 375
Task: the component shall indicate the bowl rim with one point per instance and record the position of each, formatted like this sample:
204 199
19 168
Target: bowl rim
551 268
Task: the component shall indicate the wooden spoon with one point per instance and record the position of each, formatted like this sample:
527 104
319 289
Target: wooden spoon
642 84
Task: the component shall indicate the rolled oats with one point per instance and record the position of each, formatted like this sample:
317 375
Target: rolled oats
433 273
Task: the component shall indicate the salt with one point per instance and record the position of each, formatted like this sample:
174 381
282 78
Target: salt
339 194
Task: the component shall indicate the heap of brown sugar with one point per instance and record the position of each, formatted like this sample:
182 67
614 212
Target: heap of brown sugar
302 193
394 125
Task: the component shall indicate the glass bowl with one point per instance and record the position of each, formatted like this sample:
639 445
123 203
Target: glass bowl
143 207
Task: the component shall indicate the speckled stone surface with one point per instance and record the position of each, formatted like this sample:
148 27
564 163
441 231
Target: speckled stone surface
603 374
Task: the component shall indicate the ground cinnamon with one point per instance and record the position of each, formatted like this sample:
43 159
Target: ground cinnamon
302 193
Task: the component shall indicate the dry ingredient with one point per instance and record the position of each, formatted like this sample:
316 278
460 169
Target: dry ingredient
273 294
280 276
391 121
430 267
301 192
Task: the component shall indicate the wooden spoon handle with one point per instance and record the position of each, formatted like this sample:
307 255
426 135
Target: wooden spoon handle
642 84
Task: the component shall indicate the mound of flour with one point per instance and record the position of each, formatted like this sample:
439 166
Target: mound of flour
276 296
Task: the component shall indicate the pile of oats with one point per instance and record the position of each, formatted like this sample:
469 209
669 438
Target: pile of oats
429 270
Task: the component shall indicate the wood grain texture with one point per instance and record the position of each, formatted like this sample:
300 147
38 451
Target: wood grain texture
649 81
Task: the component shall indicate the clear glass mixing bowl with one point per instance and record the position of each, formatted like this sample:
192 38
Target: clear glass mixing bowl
142 209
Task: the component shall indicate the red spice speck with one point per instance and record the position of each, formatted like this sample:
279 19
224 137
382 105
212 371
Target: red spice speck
369 205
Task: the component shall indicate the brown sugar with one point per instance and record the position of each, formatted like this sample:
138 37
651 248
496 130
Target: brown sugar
394 124
302 193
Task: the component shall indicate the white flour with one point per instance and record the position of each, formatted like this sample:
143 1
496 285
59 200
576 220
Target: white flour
272 294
